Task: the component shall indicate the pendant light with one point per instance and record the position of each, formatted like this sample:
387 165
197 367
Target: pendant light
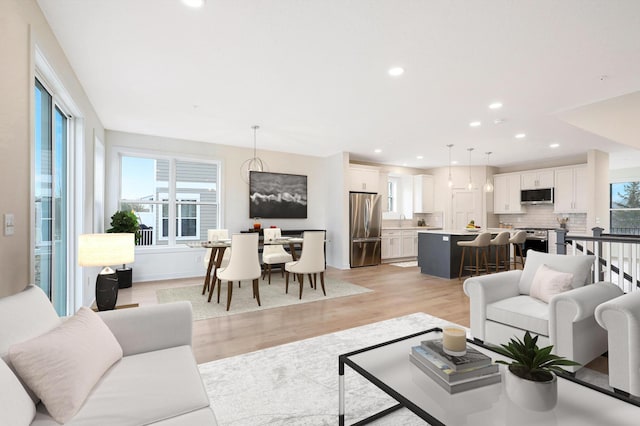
470 184
253 164
488 186
450 181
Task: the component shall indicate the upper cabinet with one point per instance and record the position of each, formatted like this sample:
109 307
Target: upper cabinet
536 179
363 179
506 194
423 194
570 194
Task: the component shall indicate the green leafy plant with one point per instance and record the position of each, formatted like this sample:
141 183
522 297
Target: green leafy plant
125 221
531 362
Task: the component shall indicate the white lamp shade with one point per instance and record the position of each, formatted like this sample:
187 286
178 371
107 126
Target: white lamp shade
106 249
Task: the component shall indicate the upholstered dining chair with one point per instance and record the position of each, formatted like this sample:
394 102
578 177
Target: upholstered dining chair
216 235
244 264
273 254
311 261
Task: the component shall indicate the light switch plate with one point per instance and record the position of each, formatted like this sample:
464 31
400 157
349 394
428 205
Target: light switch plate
9 225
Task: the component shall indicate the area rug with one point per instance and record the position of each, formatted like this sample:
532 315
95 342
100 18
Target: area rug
409 264
297 383
271 296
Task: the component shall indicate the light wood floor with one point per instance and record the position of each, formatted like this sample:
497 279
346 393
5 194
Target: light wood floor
397 291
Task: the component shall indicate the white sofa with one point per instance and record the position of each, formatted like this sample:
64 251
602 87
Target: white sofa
621 318
501 308
156 382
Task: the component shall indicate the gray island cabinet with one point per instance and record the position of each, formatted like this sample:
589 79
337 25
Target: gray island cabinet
439 254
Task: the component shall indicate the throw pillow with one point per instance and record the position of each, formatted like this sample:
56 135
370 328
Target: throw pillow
63 365
579 266
548 282
16 406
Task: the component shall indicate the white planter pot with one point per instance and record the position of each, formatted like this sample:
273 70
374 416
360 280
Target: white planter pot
536 396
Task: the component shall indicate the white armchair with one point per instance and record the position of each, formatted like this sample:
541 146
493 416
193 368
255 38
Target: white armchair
621 318
501 307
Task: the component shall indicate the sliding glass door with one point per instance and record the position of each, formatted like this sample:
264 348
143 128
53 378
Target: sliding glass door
51 201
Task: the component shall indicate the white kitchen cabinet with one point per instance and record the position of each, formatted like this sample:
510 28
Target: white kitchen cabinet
364 179
506 194
423 194
570 194
536 179
409 243
391 244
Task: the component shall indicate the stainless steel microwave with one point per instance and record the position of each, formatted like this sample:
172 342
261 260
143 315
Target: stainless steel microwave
536 196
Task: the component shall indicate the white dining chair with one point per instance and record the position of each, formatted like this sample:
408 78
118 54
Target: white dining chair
311 261
215 235
273 254
244 264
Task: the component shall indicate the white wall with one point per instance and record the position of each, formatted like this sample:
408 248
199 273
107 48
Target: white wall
598 203
22 27
337 176
325 176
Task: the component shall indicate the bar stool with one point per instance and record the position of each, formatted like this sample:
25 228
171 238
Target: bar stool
481 242
518 240
501 243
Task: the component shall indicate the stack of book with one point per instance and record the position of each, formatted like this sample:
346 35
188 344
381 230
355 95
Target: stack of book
454 373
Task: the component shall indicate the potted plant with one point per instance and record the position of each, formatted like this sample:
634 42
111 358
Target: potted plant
530 380
125 221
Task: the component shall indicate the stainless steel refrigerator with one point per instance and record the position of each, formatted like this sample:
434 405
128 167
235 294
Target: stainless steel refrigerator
365 225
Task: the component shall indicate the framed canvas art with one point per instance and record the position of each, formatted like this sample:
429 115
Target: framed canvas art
277 195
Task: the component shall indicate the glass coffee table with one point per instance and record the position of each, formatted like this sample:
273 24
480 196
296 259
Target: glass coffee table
387 366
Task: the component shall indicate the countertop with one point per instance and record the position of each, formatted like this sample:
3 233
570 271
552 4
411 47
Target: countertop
410 228
465 232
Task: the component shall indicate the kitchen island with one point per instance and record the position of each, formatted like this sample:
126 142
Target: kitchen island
439 254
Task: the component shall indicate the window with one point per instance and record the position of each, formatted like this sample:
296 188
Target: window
392 195
175 200
625 208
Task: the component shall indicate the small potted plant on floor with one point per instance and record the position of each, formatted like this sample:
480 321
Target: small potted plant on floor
530 380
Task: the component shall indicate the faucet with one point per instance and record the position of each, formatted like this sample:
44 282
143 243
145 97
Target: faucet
402 217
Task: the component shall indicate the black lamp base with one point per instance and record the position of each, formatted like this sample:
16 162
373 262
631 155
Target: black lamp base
125 277
106 291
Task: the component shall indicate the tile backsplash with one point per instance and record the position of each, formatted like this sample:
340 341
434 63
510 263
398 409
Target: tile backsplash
543 216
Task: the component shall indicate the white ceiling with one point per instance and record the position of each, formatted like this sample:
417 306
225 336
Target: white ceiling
313 74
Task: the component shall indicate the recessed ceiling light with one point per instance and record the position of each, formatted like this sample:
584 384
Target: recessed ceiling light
194 3
498 121
495 105
419 157
396 71
554 145
475 123
454 162
377 151
520 136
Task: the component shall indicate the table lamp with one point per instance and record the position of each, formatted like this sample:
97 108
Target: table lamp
104 250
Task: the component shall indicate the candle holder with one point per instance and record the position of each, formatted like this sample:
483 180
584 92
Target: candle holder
454 341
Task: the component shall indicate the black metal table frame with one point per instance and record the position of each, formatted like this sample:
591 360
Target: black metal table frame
405 403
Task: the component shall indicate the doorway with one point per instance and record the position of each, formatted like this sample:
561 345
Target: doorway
51 198
463 208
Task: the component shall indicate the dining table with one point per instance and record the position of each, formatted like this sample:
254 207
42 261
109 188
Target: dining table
217 253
